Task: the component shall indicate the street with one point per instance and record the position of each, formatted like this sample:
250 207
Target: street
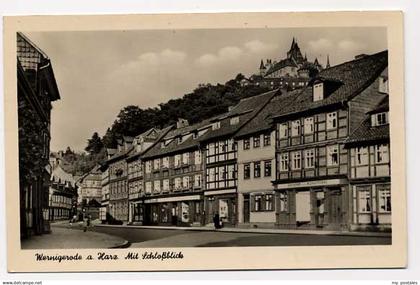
141 237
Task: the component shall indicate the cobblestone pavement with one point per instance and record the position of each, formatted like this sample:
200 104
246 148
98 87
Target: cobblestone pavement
71 237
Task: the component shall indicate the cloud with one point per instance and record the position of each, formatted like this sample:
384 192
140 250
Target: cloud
350 46
165 57
320 45
258 46
223 55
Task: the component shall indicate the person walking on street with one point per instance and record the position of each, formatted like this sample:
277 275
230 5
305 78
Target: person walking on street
85 223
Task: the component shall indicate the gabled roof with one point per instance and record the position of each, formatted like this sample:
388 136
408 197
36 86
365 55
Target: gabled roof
354 76
281 64
246 109
174 146
58 174
160 135
383 106
366 133
263 121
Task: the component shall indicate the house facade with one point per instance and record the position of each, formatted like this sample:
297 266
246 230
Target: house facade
118 185
36 90
104 191
135 181
370 171
62 198
312 163
257 165
173 178
90 192
221 158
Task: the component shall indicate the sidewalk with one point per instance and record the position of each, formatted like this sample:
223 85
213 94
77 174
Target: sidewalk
67 238
259 230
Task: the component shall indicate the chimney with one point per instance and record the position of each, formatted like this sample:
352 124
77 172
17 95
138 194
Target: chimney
181 123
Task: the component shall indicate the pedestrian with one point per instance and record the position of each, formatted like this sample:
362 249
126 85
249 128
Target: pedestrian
216 221
85 223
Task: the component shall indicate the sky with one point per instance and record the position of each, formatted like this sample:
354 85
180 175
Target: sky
100 72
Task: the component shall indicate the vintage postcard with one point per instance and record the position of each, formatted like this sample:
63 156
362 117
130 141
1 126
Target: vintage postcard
205 141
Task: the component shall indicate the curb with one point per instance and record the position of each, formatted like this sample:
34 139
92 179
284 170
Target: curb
125 244
234 230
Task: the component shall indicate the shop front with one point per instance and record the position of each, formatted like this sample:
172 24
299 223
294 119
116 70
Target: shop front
136 212
222 203
174 211
319 204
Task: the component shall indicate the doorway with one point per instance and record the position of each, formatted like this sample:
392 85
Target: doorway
246 209
303 208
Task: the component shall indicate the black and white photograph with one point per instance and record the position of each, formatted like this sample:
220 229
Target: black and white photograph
205 138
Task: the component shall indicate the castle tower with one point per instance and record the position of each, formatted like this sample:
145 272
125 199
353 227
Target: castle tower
294 52
263 69
328 62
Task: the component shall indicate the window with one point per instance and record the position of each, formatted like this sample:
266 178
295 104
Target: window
177 182
331 120
246 144
267 139
361 156
257 169
284 162
308 125
216 126
256 141
384 198
231 172
318 91
148 187
186 182
165 163
383 84
156 164
332 155
247 171
148 166
364 200
156 186
310 158
185 158
234 120
222 173
283 201
257 203
296 157
166 185
295 128
177 160
267 168
197 157
379 119
381 153
212 174
269 202
283 131
197 181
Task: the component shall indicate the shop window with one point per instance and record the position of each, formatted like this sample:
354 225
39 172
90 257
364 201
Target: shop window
246 144
364 199
247 171
332 121
256 142
384 198
267 139
381 153
332 155
257 169
308 125
362 156
267 168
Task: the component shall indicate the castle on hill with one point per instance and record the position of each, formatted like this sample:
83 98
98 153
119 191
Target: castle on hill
292 72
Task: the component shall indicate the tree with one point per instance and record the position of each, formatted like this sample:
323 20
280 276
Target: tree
95 144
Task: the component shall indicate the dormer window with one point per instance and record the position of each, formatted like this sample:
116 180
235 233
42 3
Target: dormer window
379 119
234 120
318 91
216 126
383 85
179 139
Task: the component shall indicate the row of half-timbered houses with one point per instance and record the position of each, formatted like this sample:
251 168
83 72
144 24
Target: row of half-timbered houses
318 157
